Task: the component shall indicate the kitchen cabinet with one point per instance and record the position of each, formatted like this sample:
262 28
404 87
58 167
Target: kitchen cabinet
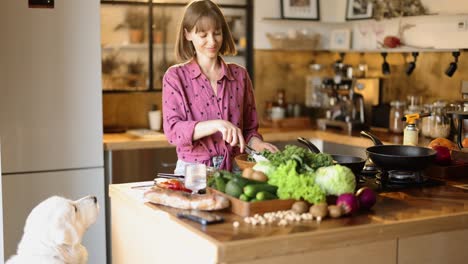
139 164
443 247
138 39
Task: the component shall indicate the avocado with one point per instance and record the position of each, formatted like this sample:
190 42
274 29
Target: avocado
233 189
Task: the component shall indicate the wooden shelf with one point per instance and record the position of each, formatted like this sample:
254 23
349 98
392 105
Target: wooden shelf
395 50
290 19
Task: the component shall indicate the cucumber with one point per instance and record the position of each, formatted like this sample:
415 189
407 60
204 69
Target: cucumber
242 182
251 190
210 182
227 175
219 184
244 197
262 196
217 174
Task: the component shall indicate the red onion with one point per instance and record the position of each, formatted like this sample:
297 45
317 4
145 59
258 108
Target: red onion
366 198
348 202
443 155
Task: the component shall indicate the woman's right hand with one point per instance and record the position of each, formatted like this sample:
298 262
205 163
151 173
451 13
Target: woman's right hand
231 133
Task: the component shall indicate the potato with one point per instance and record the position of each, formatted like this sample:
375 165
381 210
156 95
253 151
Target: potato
335 211
258 176
247 173
300 207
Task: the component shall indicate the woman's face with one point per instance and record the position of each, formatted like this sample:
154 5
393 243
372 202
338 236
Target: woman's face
207 41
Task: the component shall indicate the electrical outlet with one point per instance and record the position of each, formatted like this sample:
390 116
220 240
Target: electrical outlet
461 25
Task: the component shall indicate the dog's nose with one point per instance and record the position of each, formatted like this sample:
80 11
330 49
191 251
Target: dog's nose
94 199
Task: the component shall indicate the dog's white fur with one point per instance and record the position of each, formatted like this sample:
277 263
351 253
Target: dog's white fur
54 230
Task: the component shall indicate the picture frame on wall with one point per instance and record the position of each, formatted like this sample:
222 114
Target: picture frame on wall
300 9
358 9
340 39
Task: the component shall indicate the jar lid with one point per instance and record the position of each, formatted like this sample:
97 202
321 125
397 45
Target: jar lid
440 103
397 103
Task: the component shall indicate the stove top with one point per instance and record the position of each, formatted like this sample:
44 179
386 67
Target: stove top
395 180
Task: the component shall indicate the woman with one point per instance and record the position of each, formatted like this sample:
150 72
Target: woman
208 105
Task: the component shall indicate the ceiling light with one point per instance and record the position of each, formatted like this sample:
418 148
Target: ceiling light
385 65
453 65
412 65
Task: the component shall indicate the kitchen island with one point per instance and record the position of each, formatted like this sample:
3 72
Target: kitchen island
419 225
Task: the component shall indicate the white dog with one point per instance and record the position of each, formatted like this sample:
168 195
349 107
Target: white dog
54 230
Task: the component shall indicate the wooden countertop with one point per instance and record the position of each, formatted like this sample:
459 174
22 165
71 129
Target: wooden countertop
396 215
123 141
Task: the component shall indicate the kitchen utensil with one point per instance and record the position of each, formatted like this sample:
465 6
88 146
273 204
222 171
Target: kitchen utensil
354 163
398 157
169 176
460 116
255 154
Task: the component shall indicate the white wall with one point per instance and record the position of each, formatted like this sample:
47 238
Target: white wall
430 31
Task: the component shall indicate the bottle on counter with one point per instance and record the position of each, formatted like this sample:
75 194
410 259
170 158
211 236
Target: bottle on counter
411 132
410 135
154 117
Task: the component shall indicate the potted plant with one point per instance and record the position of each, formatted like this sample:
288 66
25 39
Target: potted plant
109 65
160 27
135 21
136 76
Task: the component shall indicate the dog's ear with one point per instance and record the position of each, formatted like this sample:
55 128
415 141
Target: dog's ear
65 233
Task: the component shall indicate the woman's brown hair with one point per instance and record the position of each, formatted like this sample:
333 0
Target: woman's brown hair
194 12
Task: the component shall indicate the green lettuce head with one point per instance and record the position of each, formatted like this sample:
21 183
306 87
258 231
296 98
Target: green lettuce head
335 180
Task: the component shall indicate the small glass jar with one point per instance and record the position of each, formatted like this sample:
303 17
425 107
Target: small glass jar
396 113
426 122
441 123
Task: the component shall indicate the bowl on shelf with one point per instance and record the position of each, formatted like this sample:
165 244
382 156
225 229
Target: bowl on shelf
243 162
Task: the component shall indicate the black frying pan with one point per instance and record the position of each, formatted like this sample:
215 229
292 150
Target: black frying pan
354 163
398 157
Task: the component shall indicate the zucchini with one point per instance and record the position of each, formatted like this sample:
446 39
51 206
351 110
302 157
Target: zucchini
251 190
262 196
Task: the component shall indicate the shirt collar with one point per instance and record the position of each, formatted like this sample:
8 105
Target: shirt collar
195 70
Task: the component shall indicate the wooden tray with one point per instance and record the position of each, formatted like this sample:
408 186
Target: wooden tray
448 172
243 208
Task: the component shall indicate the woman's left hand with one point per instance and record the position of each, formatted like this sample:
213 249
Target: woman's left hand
260 145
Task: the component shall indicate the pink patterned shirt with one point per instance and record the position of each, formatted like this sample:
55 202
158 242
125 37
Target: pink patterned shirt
188 98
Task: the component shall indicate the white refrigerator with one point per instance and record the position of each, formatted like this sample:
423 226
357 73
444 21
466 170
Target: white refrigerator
50 113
